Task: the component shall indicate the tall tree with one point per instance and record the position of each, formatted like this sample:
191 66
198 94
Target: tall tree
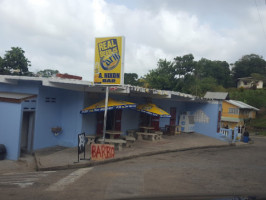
1 66
15 62
163 77
184 65
247 65
218 70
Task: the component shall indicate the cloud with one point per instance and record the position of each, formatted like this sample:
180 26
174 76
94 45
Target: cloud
60 34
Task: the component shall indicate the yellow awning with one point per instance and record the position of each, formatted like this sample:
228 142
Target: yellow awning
112 104
152 109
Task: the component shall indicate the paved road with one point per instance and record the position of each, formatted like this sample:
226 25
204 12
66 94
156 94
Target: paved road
232 170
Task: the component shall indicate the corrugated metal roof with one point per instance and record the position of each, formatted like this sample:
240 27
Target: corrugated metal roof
216 95
242 105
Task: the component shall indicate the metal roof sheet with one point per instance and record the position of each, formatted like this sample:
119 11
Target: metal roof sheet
242 105
216 95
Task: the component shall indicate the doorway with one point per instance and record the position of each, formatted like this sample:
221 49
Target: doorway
113 121
27 132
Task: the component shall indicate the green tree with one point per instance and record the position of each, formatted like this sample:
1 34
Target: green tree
218 70
184 65
15 62
163 77
47 73
247 65
1 66
131 79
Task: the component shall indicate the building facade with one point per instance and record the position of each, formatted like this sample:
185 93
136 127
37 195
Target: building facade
32 107
234 113
249 82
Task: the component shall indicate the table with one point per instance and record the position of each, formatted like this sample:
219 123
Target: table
91 139
113 133
117 142
147 128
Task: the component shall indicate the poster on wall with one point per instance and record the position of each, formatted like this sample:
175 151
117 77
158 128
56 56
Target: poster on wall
109 61
81 143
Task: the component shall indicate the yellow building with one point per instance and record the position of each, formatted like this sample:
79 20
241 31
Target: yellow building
234 113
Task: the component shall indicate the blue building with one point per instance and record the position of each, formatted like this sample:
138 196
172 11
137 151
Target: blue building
31 107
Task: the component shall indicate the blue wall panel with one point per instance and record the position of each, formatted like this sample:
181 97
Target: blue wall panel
210 110
48 115
71 104
10 123
29 87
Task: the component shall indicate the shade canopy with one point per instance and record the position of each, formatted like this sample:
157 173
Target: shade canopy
152 109
112 104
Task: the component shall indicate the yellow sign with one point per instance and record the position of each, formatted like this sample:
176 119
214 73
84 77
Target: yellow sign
109 61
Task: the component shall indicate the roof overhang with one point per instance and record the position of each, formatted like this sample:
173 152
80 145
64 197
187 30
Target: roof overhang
87 86
15 97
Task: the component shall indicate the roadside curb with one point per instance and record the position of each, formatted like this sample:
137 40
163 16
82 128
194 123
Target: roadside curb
96 163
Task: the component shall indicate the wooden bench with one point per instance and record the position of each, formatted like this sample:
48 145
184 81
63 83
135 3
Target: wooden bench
142 135
117 142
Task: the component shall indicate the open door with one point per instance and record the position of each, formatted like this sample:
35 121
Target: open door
27 132
173 116
155 122
113 121
118 117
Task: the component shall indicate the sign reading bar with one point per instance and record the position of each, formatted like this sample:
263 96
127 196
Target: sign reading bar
109 61
102 151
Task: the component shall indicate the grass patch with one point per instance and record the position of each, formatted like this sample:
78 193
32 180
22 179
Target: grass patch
262 133
258 123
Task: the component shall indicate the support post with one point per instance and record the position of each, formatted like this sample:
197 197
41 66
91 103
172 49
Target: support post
105 112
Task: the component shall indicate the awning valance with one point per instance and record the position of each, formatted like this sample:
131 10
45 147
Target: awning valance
152 109
112 104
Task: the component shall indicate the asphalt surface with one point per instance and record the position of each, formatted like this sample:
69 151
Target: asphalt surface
216 171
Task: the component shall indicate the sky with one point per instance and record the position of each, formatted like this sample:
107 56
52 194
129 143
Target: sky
60 34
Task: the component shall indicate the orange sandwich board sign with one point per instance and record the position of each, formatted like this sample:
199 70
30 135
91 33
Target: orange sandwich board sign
102 151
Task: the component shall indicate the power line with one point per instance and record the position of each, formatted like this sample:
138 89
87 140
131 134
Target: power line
260 18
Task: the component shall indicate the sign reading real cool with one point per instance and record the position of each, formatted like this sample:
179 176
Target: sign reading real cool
109 60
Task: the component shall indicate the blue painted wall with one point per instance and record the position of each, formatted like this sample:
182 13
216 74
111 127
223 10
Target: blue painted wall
89 121
10 123
58 108
71 119
48 115
211 111
29 87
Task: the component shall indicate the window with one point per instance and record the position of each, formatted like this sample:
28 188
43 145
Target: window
50 100
233 111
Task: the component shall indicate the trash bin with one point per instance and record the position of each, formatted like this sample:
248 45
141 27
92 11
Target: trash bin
2 152
246 137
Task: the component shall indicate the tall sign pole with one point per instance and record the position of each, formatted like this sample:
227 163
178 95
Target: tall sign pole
109 66
105 112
